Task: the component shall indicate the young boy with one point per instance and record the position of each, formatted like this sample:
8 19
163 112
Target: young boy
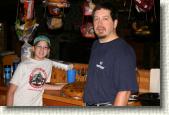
29 80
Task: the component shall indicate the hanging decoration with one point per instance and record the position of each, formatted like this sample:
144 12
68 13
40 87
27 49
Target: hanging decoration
25 23
144 5
88 7
22 1
25 31
140 29
55 7
58 3
28 9
56 10
86 28
54 23
143 27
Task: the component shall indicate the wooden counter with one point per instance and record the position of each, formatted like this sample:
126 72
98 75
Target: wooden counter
3 91
56 98
53 98
50 97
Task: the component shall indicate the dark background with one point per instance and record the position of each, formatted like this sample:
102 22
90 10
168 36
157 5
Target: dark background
69 45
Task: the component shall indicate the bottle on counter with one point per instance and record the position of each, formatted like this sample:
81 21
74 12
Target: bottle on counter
14 65
7 73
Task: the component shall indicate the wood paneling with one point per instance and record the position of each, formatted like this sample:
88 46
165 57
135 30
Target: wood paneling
6 60
143 78
60 76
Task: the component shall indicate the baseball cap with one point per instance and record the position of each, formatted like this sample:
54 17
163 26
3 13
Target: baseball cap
41 38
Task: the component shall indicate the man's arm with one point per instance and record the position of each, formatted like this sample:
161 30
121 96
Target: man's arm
122 98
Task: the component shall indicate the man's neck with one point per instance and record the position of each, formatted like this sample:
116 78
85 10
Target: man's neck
108 38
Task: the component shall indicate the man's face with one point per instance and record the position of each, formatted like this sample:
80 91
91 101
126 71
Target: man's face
103 23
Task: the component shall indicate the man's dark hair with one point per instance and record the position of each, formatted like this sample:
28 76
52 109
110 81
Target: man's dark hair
109 6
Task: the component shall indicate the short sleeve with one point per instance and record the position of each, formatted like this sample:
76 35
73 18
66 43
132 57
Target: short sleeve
126 72
16 78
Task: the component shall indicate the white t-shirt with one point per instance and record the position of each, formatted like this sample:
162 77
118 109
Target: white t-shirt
30 77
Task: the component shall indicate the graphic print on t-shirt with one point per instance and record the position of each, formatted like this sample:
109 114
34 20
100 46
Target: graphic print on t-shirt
37 78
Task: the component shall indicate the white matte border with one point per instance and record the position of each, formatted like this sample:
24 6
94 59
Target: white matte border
163 110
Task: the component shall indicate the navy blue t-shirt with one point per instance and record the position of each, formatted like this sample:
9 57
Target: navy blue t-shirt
112 68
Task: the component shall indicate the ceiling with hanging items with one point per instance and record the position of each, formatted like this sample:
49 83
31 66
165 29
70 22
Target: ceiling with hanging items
68 14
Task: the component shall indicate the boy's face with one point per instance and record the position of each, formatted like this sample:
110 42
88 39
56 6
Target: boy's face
41 50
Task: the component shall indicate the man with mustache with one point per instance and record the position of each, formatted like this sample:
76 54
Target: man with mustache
112 67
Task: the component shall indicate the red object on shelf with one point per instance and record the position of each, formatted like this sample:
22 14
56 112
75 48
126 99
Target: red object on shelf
144 5
88 7
87 11
28 9
58 3
87 30
54 10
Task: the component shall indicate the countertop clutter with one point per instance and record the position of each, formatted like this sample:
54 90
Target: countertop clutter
60 98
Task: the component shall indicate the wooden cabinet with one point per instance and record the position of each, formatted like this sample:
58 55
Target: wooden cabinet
3 91
2 100
7 60
49 102
143 79
55 98
2 97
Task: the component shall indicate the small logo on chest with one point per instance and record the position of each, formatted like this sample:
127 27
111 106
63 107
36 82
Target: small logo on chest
100 65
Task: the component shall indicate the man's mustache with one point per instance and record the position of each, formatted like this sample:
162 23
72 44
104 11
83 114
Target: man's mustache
100 28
